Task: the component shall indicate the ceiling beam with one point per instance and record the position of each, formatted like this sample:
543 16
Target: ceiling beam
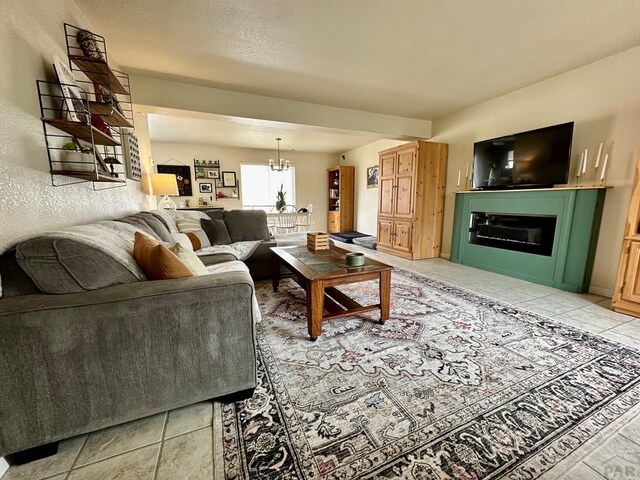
158 93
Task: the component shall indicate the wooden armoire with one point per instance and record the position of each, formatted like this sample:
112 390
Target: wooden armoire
626 295
411 199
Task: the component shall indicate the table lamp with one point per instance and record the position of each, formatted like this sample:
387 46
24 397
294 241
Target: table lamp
165 184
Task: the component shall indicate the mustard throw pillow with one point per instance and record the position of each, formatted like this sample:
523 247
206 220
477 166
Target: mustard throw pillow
157 261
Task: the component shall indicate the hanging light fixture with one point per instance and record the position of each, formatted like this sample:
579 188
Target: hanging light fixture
279 164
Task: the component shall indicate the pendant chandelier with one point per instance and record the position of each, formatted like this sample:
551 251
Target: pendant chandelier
279 164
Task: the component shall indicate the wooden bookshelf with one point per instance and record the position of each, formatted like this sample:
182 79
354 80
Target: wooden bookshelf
340 195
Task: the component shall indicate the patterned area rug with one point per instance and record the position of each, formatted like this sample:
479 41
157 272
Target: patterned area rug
454 386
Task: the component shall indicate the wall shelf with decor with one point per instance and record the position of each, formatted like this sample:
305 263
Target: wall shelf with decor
83 118
206 169
220 184
87 53
227 186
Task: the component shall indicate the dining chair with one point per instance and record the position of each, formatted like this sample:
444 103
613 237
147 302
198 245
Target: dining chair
287 219
303 222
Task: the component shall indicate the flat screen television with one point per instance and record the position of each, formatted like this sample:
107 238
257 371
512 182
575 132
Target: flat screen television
538 158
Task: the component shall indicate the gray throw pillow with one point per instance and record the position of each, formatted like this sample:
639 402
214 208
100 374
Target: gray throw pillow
216 231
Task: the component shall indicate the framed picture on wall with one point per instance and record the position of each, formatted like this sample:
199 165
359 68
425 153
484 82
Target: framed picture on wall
213 173
206 188
183 176
229 179
372 177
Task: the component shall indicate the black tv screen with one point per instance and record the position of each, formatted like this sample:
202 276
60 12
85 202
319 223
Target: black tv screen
529 159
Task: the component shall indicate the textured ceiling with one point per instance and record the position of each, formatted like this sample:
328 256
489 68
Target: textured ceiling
414 58
244 133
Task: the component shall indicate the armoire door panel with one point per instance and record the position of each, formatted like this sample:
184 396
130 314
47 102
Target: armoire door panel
385 200
387 165
385 232
406 162
404 197
402 236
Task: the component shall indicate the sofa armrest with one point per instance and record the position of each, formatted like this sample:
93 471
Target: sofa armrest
75 363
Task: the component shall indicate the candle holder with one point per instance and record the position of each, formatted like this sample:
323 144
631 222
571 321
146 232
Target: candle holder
595 175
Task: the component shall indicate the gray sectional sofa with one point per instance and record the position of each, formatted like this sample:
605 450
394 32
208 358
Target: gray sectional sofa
86 343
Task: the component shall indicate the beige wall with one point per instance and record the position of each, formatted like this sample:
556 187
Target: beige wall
311 172
603 99
366 199
29 203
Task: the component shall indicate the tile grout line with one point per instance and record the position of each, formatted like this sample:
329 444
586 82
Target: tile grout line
186 432
594 470
164 431
75 460
109 457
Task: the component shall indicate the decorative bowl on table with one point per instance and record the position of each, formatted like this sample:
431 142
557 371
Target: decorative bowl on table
354 259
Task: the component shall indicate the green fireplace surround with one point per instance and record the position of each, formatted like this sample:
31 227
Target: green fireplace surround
578 212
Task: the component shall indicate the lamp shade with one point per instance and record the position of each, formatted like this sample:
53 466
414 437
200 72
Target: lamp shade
164 184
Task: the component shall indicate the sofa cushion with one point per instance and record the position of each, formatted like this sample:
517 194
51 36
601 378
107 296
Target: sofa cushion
149 223
13 279
157 261
263 252
168 218
61 265
217 258
246 225
215 214
216 231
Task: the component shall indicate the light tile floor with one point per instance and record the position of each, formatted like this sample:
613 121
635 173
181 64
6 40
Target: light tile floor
179 444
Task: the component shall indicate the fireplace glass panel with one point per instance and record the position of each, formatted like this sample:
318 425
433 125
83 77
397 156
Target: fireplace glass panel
522 233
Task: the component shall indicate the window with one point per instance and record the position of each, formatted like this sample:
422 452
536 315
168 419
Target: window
260 185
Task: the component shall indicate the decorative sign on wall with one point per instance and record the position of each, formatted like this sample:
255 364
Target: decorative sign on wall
183 175
132 156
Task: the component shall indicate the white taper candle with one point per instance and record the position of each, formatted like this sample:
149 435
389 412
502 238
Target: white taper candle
604 166
598 157
459 177
579 172
586 159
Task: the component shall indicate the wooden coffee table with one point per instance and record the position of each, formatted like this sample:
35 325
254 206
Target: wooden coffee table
318 272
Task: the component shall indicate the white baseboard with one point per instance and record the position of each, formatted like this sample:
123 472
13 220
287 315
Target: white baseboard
605 292
4 466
